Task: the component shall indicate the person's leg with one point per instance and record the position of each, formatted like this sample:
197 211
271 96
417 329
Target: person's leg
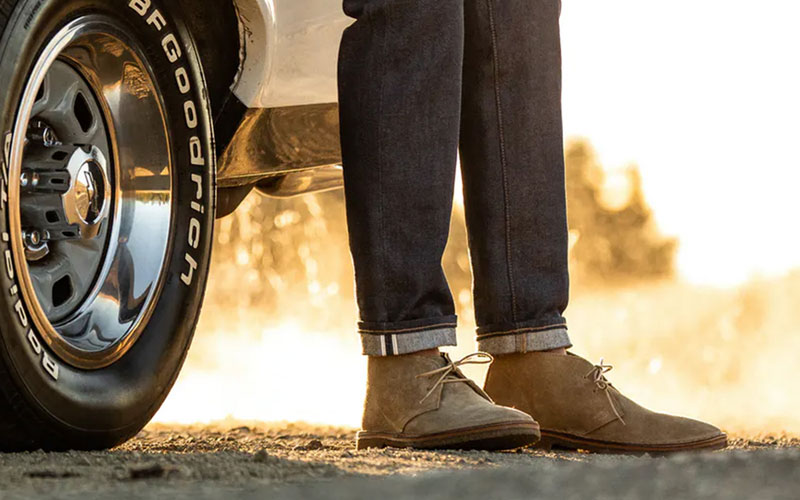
512 162
513 169
400 85
399 96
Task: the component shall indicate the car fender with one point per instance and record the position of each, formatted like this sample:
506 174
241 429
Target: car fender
288 52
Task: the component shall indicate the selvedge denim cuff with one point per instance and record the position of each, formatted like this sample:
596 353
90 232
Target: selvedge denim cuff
405 338
544 338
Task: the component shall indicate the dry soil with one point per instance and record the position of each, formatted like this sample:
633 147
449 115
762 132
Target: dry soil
302 461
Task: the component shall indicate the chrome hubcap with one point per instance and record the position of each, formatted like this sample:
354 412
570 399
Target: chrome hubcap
86 202
90 193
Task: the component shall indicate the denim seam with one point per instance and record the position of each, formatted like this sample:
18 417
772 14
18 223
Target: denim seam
408 330
503 159
523 330
391 344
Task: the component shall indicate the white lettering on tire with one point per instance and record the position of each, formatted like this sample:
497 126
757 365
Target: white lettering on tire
172 49
188 276
140 6
157 20
183 80
191 114
196 152
50 366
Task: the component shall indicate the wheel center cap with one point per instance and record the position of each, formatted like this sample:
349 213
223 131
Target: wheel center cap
86 203
89 195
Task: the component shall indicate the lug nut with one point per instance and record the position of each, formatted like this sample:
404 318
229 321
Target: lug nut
29 179
36 247
49 137
43 133
33 238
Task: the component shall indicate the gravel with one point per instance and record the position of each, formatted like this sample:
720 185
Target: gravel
301 461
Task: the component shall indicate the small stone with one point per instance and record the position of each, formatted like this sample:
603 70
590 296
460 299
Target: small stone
263 457
299 447
147 471
346 454
51 474
314 444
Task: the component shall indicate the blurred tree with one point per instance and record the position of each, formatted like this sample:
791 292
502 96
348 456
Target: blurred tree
611 245
285 256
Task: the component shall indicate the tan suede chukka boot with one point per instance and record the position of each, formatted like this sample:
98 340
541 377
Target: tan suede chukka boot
424 401
578 408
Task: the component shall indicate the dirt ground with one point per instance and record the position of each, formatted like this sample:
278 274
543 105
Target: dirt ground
301 461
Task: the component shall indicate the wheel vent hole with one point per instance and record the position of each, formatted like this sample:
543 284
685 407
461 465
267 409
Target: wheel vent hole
40 94
52 217
60 155
83 113
62 291
69 234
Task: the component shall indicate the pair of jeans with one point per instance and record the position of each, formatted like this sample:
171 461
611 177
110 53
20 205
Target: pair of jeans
419 81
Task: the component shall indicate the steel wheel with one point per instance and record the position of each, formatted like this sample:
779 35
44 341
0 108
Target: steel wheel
93 235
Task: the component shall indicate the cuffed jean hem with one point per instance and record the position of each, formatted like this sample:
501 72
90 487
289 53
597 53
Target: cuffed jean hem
525 340
390 343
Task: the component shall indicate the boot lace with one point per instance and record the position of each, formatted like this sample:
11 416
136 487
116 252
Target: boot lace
450 373
597 375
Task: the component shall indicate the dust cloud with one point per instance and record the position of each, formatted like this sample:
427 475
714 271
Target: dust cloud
276 337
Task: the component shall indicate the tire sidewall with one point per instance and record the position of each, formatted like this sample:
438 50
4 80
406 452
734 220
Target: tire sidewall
103 407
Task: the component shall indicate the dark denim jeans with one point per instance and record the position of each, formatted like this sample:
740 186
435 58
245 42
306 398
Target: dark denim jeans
420 80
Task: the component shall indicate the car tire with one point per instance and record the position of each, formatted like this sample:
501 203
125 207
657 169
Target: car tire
107 206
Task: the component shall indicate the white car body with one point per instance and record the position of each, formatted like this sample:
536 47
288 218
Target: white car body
289 52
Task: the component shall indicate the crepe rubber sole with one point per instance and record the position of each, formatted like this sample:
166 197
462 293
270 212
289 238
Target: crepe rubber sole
557 440
503 436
